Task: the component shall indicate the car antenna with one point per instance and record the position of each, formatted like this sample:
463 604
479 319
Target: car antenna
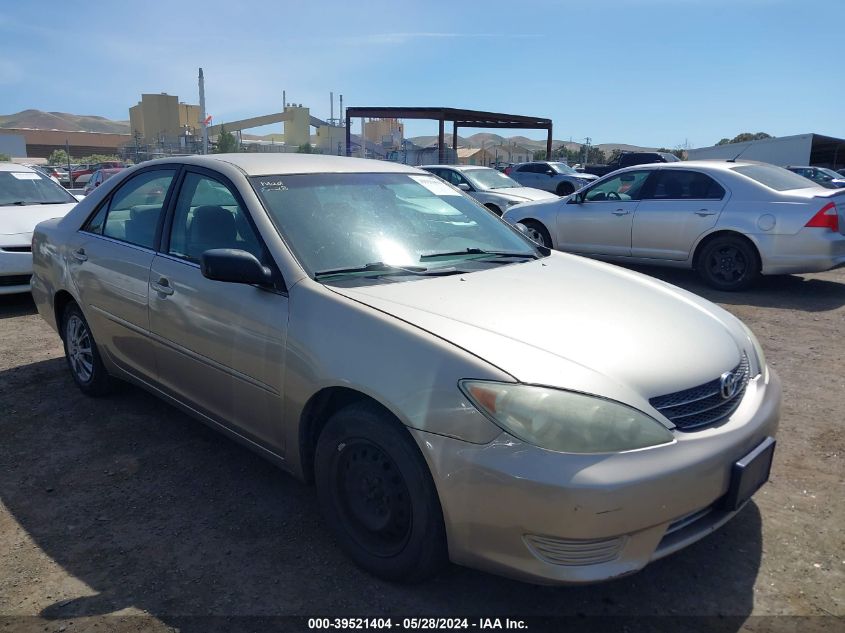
741 152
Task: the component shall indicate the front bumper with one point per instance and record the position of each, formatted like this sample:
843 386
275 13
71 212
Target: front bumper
15 271
552 518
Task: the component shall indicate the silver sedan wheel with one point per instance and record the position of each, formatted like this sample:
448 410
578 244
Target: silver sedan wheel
536 236
79 348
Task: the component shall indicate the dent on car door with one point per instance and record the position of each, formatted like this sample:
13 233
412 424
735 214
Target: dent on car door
220 346
599 220
678 206
110 265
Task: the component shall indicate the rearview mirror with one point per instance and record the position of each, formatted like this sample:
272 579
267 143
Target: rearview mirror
234 266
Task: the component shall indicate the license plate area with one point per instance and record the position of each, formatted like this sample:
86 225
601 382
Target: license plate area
749 474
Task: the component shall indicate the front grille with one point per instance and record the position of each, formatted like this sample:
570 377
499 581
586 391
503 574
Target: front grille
559 551
15 280
703 405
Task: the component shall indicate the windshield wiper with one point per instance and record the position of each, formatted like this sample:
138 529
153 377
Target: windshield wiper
478 251
24 203
372 267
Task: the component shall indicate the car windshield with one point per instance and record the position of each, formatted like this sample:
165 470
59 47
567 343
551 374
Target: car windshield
334 222
829 174
563 168
30 187
776 178
489 179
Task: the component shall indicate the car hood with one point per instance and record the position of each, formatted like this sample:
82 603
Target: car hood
522 194
15 220
574 323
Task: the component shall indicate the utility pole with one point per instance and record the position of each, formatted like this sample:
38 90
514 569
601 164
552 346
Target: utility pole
203 122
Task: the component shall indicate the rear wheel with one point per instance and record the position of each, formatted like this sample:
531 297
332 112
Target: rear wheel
728 263
538 233
565 189
376 493
82 356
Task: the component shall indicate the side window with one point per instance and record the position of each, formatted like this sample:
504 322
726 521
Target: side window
626 186
677 184
525 169
207 216
136 208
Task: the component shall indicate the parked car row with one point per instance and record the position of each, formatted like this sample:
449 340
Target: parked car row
453 388
729 220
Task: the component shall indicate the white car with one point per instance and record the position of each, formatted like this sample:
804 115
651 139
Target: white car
552 176
729 220
27 197
490 187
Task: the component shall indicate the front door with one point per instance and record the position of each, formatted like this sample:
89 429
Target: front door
599 221
678 206
220 346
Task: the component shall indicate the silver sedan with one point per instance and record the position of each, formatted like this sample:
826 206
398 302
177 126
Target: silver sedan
730 221
371 329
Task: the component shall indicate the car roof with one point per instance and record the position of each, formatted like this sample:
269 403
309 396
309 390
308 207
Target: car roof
269 164
457 167
715 164
15 167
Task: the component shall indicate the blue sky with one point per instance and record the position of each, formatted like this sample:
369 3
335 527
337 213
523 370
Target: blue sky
646 72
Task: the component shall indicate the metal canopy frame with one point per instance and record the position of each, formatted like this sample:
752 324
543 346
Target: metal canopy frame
458 117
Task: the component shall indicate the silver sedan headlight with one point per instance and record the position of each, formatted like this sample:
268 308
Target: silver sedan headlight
565 421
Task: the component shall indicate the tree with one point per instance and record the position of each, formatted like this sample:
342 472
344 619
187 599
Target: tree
58 157
744 137
305 148
226 142
5 158
540 154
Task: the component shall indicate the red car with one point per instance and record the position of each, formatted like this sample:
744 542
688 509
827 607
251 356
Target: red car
99 177
90 168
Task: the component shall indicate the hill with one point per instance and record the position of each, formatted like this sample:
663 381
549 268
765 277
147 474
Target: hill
491 140
40 120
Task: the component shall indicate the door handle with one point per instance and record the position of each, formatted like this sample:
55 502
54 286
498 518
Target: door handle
162 286
79 255
620 212
705 212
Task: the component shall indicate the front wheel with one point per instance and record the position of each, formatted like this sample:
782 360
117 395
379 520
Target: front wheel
377 494
83 358
565 189
538 233
728 263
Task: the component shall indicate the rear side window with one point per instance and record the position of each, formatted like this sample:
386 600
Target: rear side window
678 184
776 178
133 212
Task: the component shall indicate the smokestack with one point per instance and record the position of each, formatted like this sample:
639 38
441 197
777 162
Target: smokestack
331 110
203 115
284 100
340 114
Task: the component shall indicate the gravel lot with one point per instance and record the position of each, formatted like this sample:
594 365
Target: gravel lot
122 507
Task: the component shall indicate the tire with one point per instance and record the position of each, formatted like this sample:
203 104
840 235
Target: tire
494 209
728 263
377 494
565 189
538 233
83 357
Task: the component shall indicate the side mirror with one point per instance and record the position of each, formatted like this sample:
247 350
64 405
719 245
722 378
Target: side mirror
234 266
576 198
550 172
464 187
522 228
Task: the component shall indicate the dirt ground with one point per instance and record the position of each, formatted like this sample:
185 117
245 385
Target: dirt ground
124 514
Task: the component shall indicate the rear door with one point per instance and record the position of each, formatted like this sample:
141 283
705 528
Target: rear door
526 175
220 346
111 266
598 221
678 205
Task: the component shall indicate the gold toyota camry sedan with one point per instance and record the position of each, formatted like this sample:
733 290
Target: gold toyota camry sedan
453 389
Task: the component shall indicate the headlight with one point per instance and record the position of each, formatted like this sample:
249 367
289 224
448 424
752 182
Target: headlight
564 420
757 349
510 203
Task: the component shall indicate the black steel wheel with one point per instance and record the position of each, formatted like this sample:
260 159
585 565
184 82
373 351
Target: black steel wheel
377 494
728 263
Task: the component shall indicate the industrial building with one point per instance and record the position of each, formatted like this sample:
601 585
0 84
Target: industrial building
41 143
800 149
162 119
